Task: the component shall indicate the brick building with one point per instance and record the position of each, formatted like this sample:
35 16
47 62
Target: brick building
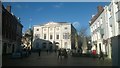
11 31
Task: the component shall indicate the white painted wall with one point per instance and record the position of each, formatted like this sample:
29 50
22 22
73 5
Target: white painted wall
108 18
96 36
110 25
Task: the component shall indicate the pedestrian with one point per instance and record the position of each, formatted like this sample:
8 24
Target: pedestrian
101 55
47 51
59 53
39 51
29 50
65 54
55 50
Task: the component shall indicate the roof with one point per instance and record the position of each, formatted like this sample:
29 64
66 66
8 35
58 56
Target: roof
57 23
18 21
96 16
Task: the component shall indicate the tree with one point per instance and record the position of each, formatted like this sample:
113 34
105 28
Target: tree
83 39
82 33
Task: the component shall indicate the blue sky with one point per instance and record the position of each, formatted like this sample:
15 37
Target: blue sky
35 13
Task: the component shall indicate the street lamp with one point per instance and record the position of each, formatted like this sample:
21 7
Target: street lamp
61 43
89 42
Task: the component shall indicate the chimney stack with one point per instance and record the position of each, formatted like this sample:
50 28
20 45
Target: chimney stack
100 8
8 8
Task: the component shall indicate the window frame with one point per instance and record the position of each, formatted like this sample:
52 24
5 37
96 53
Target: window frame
44 36
51 36
57 36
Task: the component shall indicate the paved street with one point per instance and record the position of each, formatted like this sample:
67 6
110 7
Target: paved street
52 60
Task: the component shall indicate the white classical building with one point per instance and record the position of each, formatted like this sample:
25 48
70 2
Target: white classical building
54 35
104 26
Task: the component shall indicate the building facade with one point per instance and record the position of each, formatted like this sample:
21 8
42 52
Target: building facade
104 26
116 35
55 35
11 31
97 30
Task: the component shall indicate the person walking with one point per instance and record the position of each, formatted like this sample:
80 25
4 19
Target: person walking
65 54
59 53
47 51
39 51
55 50
29 50
101 55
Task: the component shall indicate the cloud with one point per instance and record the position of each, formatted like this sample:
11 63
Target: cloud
39 9
61 3
26 6
58 5
76 25
18 6
30 19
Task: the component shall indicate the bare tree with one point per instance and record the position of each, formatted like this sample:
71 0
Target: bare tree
82 31
82 34
83 39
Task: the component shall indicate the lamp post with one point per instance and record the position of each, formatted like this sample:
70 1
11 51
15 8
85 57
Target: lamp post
61 44
89 46
89 42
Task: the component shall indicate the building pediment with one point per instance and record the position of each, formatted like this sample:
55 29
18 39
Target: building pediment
50 24
55 23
